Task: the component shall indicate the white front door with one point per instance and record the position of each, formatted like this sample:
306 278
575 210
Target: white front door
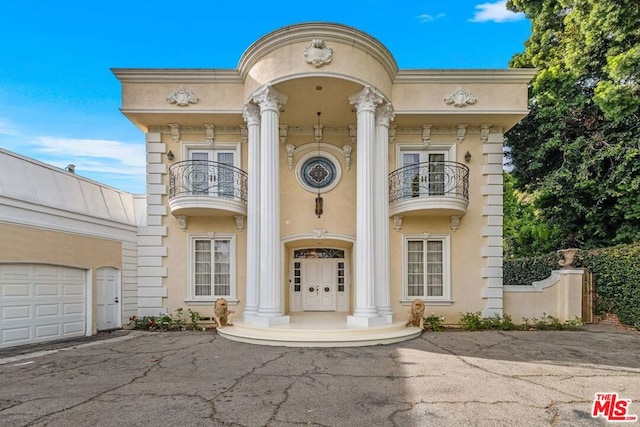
107 298
319 285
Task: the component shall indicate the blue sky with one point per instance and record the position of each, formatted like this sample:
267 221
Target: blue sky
59 101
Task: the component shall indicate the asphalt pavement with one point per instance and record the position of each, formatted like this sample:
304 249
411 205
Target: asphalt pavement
451 378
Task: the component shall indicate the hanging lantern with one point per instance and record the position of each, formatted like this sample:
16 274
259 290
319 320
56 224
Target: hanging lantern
319 205
319 199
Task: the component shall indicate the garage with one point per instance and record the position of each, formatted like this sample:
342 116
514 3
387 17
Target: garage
41 303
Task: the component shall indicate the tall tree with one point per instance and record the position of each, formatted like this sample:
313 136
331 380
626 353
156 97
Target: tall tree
579 148
525 234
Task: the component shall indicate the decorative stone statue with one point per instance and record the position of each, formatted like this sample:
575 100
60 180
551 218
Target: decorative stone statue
416 314
568 256
221 313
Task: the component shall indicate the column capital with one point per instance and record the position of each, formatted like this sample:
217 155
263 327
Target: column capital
384 114
269 99
367 99
251 114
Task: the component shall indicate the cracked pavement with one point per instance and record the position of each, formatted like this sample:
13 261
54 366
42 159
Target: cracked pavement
451 378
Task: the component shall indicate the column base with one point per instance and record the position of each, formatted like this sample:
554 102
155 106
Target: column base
366 321
387 313
249 313
267 320
388 317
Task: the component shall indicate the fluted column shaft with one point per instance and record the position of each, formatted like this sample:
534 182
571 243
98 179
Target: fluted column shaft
365 309
384 114
251 115
271 299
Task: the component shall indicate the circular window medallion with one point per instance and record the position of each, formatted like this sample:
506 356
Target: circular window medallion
318 172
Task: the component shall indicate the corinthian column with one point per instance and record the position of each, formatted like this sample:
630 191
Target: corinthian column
384 114
251 115
271 301
365 312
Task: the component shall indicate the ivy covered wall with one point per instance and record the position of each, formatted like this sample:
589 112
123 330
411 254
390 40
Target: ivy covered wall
616 273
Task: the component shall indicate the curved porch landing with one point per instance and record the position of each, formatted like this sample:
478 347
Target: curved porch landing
319 330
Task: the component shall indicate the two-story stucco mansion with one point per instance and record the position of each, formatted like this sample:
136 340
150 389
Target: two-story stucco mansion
318 177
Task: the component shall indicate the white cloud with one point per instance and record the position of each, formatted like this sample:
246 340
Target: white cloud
7 128
495 12
99 154
425 17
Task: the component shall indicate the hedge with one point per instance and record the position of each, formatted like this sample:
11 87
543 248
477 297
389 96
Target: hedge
616 273
523 271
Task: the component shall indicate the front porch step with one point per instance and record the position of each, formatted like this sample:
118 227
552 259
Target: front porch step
306 335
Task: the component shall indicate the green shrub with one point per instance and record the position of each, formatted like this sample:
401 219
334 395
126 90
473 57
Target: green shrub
471 321
167 322
547 322
475 322
524 271
616 272
433 323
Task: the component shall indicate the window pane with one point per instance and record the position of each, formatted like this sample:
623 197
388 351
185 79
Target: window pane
222 268
436 174
212 268
225 174
434 276
415 268
202 268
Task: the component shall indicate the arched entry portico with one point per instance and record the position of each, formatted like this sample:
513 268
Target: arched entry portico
318 274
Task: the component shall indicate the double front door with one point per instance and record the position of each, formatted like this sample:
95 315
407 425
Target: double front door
319 284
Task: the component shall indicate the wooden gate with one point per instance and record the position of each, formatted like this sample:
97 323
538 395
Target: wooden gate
588 290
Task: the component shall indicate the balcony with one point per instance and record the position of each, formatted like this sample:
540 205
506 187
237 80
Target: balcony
206 188
429 188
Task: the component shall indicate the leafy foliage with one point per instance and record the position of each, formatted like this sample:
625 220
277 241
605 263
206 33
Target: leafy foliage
578 151
167 322
433 323
475 322
617 281
524 271
526 232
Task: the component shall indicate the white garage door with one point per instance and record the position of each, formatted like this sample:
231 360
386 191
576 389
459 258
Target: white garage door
41 303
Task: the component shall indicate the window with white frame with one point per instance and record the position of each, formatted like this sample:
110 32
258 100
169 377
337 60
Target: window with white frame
426 267
212 267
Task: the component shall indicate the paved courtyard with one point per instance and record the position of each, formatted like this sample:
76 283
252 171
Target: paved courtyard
454 378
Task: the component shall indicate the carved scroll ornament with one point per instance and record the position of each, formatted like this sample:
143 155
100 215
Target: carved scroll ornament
460 98
317 53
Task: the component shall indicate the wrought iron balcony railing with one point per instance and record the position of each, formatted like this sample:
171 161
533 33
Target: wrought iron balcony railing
207 178
429 179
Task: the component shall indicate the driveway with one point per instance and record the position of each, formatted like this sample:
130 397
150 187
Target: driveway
451 378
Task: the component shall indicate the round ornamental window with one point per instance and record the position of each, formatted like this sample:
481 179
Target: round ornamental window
318 172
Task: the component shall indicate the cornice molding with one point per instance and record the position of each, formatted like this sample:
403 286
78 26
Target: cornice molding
335 131
219 130
179 76
507 75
